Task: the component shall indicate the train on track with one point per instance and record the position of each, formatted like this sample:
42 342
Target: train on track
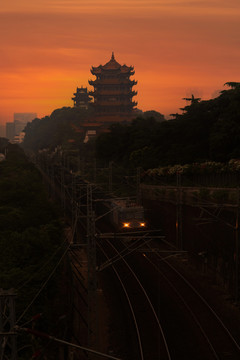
122 213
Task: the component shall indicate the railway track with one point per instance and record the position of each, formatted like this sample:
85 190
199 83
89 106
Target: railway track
171 319
149 341
219 340
192 328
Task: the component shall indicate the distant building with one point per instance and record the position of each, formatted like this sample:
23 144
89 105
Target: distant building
21 120
113 92
10 130
16 127
81 98
18 138
19 126
24 117
2 130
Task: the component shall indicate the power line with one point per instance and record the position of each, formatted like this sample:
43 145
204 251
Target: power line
46 336
43 266
44 284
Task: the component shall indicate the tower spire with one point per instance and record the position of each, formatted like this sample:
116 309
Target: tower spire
113 58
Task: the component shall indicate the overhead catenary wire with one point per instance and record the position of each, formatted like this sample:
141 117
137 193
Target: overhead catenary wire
44 284
46 336
43 266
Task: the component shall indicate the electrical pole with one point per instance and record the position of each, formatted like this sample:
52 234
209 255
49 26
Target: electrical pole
179 213
138 186
110 176
52 181
237 250
63 199
8 340
74 208
95 171
92 277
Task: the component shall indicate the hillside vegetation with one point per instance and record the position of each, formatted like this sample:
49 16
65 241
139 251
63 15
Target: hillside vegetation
62 127
31 244
206 130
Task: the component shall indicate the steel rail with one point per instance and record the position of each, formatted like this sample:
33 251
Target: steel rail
199 296
206 303
129 302
121 255
187 306
148 299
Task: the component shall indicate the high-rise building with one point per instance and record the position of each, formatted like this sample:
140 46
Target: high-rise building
113 92
19 126
20 120
24 117
2 130
81 98
10 130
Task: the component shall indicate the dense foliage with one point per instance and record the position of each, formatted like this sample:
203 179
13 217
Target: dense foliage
206 131
3 144
31 240
62 127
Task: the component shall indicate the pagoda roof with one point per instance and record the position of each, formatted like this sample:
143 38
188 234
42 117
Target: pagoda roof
112 65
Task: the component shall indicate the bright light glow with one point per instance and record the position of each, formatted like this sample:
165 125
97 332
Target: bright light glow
126 225
142 224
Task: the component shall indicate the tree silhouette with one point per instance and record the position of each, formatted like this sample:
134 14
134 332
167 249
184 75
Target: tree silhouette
193 99
233 84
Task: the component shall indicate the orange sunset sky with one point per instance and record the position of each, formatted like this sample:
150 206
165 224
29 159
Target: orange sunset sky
177 48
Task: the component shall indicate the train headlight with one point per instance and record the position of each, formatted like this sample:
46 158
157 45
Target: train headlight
126 225
142 224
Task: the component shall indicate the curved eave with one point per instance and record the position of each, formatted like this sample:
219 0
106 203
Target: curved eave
96 70
113 92
92 82
112 82
127 72
133 82
118 68
127 67
110 104
133 93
